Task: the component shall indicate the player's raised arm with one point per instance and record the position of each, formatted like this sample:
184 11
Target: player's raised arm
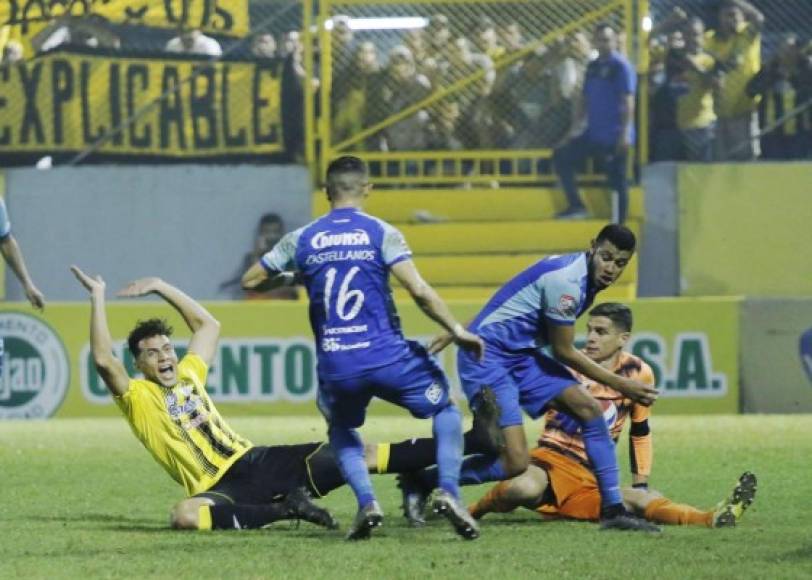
562 342
111 369
205 328
435 307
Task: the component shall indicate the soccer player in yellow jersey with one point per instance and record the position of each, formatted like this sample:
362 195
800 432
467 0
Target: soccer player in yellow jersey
230 483
559 481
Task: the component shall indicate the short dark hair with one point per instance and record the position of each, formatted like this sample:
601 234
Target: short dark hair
342 166
147 329
619 314
620 236
346 164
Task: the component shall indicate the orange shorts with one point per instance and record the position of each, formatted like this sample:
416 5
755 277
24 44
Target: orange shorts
576 490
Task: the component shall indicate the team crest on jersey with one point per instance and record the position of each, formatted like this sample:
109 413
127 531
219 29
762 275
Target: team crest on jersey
324 240
567 305
434 393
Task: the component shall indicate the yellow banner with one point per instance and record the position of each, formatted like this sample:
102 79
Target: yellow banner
266 360
217 16
64 102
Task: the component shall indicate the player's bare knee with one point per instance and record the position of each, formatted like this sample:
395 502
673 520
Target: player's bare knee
184 516
588 409
528 489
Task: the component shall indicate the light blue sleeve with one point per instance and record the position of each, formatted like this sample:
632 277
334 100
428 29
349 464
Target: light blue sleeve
5 225
562 297
282 257
394 248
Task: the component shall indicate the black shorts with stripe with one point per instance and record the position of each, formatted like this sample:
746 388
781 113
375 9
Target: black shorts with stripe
267 474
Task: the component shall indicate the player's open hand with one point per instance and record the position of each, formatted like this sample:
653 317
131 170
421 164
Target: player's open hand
140 287
35 297
438 343
640 392
92 285
470 342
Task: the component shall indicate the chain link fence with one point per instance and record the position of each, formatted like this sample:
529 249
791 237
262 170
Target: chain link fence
457 76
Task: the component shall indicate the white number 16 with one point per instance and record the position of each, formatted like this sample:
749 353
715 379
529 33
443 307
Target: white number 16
345 295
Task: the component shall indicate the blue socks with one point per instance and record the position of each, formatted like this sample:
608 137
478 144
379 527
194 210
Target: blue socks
447 430
601 451
349 450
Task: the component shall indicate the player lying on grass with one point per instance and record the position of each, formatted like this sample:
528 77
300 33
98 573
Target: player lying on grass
230 482
559 481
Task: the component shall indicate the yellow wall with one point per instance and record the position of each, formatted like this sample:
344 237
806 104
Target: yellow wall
746 229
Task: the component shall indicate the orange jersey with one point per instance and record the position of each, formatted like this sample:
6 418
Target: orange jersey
563 434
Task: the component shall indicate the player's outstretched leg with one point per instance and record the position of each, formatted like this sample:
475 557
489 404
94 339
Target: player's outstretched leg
448 506
729 511
368 517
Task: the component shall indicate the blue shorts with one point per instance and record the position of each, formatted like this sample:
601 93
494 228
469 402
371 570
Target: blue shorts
415 383
521 381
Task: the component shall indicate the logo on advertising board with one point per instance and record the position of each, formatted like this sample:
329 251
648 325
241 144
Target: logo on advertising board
35 371
805 345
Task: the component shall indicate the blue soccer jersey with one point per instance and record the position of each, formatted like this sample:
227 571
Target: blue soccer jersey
344 258
555 290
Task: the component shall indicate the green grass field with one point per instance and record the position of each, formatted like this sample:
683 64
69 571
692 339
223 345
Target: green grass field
82 498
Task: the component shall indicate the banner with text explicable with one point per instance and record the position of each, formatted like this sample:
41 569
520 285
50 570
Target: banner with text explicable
265 363
65 102
214 16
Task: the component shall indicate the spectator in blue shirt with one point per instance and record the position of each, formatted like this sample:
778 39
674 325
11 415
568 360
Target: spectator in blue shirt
608 109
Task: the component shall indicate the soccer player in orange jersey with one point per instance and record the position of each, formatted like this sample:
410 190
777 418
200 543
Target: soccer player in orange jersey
559 482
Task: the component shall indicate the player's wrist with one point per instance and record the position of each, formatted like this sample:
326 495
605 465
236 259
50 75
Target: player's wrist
457 330
640 485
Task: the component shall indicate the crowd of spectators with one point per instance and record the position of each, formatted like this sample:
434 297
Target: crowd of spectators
483 106
714 99
711 96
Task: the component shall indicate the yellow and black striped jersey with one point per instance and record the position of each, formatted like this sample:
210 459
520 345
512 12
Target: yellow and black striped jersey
181 428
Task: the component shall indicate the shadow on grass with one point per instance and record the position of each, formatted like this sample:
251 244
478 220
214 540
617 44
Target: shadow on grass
802 553
99 518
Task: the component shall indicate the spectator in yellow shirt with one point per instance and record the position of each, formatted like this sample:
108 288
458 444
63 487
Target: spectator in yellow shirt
695 116
736 47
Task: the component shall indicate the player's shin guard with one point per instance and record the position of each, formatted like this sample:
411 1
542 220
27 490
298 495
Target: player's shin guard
239 517
447 429
601 452
349 450
664 511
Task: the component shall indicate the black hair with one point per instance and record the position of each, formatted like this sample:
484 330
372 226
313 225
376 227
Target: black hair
619 314
342 166
147 329
270 218
620 236
346 164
